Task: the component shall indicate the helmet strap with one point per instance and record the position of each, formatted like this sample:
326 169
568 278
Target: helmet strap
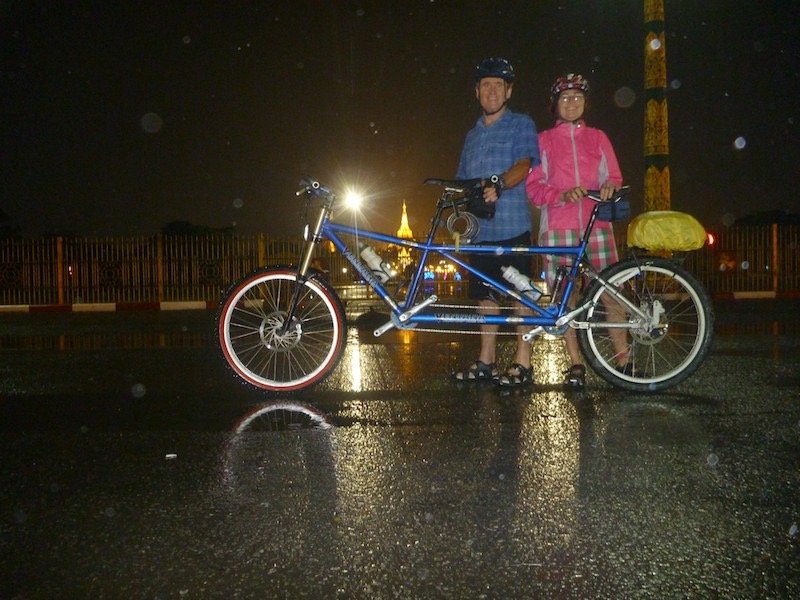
494 112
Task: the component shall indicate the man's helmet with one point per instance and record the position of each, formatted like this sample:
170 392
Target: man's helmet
495 67
568 82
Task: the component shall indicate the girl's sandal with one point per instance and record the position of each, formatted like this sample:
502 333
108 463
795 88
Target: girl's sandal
516 376
477 371
575 377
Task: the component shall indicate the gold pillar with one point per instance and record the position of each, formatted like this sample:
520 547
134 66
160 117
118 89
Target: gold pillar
656 127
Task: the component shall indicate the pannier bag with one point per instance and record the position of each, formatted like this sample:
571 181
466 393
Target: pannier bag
614 211
666 230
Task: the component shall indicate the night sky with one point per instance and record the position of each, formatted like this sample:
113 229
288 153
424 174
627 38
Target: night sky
121 117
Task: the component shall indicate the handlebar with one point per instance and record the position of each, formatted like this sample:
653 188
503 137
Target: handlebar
618 195
309 185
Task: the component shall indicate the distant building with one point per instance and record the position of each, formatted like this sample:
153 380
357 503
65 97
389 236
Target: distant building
404 254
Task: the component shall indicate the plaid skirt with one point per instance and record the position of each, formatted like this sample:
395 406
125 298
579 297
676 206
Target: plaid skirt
601 251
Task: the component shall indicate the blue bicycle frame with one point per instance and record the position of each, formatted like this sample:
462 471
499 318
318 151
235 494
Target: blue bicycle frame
543 316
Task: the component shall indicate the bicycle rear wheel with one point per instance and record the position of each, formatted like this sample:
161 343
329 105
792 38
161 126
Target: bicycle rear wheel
662 349
258 346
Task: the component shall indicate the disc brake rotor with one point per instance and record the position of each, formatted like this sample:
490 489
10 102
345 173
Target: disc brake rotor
275 337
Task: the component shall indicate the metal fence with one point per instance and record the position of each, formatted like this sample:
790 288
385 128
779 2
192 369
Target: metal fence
756 258
164 268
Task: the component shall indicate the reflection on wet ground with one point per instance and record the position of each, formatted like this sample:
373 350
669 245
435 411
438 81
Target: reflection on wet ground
150 471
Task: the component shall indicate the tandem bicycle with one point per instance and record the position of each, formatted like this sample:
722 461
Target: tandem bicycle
283 328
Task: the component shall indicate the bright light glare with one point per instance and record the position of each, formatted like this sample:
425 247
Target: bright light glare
352 199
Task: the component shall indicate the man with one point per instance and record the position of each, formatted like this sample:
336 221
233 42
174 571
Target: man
504 144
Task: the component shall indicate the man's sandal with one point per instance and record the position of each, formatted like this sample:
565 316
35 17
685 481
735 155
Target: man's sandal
477 371
516 376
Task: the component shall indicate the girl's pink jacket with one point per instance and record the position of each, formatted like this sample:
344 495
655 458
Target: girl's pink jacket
572 155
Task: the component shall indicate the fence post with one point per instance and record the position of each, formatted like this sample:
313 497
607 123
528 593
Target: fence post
160 267
262 250
775 257
60 268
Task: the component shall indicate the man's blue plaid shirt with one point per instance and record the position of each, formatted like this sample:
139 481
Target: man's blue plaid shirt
492 151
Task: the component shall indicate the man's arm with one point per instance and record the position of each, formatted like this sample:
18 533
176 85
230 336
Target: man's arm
513 176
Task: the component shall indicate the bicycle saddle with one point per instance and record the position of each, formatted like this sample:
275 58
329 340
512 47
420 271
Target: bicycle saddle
455 185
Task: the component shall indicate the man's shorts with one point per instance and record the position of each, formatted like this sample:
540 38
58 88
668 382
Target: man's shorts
490 264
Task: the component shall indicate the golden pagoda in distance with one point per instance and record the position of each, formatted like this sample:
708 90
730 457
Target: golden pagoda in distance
404 231
404 254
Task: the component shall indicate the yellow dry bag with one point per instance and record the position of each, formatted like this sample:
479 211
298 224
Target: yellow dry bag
666 230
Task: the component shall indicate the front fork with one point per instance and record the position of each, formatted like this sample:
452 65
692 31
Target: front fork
312 238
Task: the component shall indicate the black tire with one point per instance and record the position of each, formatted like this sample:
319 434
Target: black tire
249 324
664 354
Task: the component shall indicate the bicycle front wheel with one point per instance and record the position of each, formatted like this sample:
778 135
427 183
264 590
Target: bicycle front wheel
663 347
266 351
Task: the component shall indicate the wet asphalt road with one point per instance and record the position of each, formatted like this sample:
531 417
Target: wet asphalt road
135 466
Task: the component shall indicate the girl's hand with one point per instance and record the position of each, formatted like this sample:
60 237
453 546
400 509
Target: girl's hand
607 190
575 194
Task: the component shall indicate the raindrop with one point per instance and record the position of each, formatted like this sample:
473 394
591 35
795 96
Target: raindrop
20 516
138 390
187 39
300 65
675 84
655 44
109 512
728 219
745 265
712 460
793 530
739 143
360 12
152 122
238 203
624 97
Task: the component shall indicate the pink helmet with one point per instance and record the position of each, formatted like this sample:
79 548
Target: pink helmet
568 82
